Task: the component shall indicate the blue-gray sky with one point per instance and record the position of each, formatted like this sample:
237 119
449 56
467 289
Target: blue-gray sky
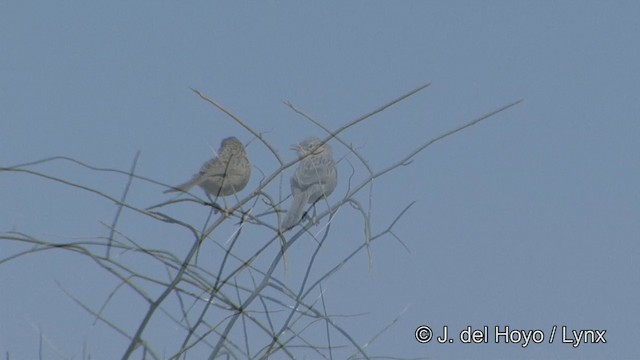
530 219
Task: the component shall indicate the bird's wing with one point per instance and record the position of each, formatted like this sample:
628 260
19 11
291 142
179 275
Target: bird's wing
312 172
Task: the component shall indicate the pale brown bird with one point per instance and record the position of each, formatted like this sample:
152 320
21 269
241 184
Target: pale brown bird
315 178
224 175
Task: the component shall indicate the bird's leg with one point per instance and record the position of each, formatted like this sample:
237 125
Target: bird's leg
314 220
213 204
226 211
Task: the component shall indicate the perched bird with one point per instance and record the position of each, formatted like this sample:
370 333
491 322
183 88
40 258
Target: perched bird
315 178
224 175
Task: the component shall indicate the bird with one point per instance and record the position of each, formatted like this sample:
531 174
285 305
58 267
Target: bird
315 178
223 175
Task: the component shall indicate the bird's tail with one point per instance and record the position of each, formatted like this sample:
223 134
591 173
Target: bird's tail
295 211
184 187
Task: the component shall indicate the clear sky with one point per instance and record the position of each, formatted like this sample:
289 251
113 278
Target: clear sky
528 220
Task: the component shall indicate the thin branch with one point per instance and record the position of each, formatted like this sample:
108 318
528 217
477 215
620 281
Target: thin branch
122 200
